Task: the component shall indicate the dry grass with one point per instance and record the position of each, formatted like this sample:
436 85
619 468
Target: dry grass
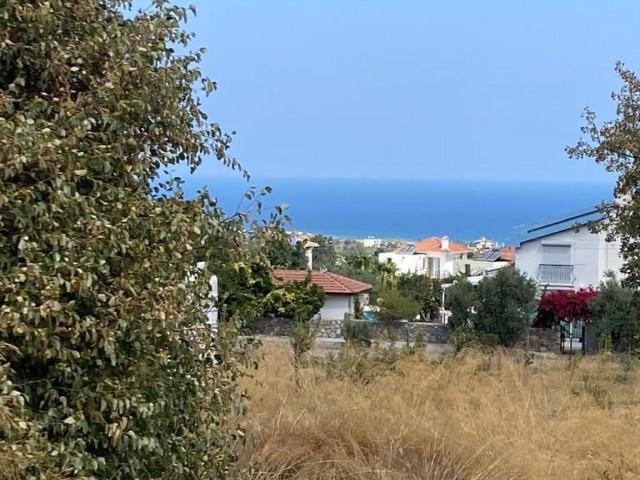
476 416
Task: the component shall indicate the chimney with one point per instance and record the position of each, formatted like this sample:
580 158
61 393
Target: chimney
445 243
309 252
308 249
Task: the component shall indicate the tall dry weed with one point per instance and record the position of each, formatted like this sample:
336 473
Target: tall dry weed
476 416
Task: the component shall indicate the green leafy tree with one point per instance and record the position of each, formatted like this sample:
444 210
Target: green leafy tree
427 291
616 145
106 354
324 255
461 299
395 307
282 254
614 315
300 302
506 305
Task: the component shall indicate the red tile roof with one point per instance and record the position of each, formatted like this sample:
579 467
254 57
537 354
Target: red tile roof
508 254
434 244
330 282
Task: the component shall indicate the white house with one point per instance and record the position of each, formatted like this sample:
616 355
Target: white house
434 256
341 292
564 254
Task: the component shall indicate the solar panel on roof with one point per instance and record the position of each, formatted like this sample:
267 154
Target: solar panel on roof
411 249
490 256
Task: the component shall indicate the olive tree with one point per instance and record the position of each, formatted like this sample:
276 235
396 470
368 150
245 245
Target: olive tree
105 351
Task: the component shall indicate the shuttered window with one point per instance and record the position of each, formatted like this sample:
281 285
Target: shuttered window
556 254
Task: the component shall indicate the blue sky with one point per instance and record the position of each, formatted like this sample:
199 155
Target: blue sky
473 90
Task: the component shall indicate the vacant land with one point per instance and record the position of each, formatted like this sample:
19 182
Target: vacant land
476 416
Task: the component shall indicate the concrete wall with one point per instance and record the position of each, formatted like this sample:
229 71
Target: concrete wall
336 306
591 256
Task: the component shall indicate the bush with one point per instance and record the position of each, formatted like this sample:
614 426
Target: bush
395 307
460 299
300 302
106 355
358 333
614 316
506 306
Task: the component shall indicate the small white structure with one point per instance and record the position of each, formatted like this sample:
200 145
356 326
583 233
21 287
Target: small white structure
371 242
434 256
563 254
341 292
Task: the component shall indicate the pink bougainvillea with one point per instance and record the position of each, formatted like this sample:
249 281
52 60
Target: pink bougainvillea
568 304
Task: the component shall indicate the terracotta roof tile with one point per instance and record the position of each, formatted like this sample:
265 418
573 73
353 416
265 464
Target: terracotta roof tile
508 254
330 282
434 244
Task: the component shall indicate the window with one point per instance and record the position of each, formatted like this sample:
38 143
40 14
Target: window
556 254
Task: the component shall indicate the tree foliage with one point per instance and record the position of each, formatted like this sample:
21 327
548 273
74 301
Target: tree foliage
505 305
614 315
300 302
460 299
283 254
426 291
394 306
324 255
107 370
616 145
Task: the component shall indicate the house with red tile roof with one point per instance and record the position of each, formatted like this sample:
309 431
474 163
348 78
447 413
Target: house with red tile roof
435 256
341 291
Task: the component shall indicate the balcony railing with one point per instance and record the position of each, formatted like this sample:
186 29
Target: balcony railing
556 274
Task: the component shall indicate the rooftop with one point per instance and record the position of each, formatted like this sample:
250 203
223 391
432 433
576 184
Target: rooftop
559 224
329 282
434 245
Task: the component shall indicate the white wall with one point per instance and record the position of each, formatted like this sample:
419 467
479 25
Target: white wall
335 306
591 256
610 259
405 263
419 262
477 267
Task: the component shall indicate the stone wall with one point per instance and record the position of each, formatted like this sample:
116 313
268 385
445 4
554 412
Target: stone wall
404 331
534 340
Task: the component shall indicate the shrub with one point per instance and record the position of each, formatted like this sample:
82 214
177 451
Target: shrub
358 333
614 316
395 307
300 302
506 306
460 299
106 354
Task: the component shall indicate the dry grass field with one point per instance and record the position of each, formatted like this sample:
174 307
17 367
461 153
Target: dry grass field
475 416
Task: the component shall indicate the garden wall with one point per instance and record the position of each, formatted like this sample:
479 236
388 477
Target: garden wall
535 339
430 332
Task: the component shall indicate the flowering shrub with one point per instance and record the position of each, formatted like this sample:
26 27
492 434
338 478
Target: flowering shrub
568 304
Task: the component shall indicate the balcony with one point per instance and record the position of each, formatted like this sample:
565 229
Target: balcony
556 274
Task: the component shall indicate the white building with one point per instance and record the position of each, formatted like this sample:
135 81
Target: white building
340 291
371 242
434 256
564 254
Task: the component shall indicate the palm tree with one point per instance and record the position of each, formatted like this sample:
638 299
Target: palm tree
388 274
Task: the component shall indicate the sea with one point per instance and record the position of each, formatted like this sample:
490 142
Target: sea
412 209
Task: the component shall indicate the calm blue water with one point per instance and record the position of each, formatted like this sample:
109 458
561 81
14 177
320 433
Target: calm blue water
413 209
